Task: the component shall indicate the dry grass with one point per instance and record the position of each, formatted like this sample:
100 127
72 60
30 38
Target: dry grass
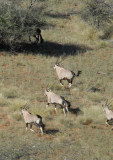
82 133
89 118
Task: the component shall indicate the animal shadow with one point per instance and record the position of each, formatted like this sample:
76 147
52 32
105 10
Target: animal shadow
52 131
75 111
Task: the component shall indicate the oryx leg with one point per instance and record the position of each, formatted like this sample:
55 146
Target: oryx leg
26 126
41 126
67 109
70 82
41 129
55 109
63 108
64 111
107 122
47 105
61 82
31 128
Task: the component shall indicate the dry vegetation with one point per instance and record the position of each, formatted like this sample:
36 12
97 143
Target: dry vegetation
82 134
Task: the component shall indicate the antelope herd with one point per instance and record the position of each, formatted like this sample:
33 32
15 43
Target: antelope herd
55 99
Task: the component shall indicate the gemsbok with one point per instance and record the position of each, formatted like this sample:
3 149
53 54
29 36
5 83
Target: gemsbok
109 113
32 119
65 74
57 100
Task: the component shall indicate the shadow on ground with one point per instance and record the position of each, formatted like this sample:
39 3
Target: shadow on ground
52 131
75 111
47 48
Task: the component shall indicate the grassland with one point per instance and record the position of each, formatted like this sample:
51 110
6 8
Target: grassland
82 134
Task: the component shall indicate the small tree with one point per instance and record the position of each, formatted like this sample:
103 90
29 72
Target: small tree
19 19
97 12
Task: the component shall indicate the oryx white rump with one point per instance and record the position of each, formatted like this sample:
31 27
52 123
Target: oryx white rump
57 100
32 119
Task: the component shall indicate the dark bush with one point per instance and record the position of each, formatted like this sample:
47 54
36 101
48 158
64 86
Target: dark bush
19 19
98 12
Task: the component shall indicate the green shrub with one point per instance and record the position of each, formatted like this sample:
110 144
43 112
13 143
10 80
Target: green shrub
108 32
97 12
18 20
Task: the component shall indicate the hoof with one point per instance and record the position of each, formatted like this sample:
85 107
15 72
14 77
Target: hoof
32 130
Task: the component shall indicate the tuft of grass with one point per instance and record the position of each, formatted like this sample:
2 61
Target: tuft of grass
57 87
1 133
3 101
95 97
17 116
16 104
11 92
102 44
91 34
86 121
67 123
3 122
93 114
95 126
20 64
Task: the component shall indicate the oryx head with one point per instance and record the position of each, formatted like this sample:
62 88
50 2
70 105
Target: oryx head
46 91
22 111
58 62
24 108
107 105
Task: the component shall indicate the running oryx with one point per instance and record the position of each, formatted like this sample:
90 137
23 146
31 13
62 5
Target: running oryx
57 100
64 74
32 119
109 113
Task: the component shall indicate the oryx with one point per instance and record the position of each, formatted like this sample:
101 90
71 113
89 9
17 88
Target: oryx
55 99
65 74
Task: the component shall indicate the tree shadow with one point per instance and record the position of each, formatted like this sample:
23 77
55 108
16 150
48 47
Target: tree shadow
75 111
47 48
52 131
4 46
56 49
